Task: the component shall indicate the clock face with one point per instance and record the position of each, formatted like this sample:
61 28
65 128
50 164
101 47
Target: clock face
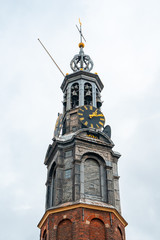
91 117
58 125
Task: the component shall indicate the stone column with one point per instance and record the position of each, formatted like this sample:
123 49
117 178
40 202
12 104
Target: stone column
81 93
94 95
76 180
68 97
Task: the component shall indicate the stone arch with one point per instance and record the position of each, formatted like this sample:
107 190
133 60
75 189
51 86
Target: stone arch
95 156
93 177
50 173
97 230
64 230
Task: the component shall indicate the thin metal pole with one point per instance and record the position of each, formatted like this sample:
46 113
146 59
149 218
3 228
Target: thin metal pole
81 35
51 57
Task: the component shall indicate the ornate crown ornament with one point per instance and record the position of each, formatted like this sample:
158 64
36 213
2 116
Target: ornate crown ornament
81 61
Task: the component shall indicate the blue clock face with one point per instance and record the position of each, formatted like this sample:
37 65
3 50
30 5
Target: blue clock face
58 125
91 117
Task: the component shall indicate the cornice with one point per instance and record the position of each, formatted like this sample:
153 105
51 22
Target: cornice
81 205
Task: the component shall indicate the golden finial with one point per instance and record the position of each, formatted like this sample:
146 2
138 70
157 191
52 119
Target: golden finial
80 22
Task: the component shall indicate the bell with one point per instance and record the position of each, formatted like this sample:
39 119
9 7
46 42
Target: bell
74 93
88 93
99 103
86 87
76 86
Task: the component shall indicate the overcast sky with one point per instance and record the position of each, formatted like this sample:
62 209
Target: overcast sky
123 40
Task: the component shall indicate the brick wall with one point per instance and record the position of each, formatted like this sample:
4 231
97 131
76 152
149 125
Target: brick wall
83 224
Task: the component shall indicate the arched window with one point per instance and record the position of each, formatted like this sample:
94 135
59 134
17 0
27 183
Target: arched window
96 230
87 94
92 185
75 95
64 230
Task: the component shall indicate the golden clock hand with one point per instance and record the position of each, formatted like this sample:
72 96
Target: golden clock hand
98 115
93 114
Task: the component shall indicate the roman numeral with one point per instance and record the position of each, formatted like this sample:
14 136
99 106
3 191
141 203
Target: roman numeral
86 123
102 119
81 110
81 119
80 114
101 123
91 108
97 125
91 125
85 107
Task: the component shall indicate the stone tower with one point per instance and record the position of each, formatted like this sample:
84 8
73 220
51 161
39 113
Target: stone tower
82 187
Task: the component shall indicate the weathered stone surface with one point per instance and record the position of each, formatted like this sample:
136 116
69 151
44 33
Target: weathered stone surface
84 168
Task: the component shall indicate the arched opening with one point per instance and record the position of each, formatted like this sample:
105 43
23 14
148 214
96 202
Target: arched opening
75 95
92 182
50 186
98 99
93 177
44 237
64 101
64 230
96 230
120 235
53 187
87 94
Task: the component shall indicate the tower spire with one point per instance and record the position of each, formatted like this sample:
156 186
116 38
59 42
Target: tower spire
82 187
81 61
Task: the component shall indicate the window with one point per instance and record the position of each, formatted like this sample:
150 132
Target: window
67 173
68 153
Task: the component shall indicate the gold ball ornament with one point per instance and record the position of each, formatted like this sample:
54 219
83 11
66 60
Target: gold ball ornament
81 44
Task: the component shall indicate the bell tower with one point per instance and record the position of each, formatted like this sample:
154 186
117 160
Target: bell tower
82 187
